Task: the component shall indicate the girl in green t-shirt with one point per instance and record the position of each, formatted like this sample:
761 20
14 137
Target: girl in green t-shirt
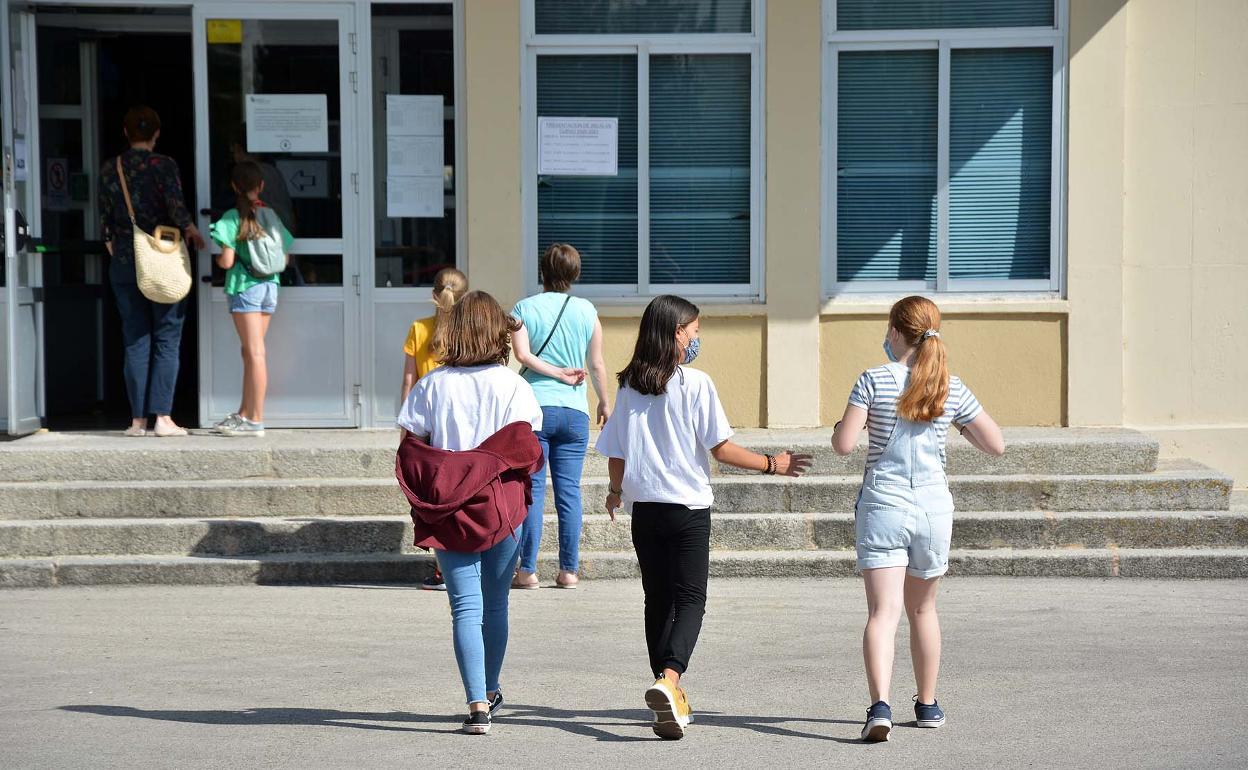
252 299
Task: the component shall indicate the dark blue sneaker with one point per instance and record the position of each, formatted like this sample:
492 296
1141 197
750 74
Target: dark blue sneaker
879 723
928 714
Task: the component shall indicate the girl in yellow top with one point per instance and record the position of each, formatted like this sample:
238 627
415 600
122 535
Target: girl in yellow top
449 286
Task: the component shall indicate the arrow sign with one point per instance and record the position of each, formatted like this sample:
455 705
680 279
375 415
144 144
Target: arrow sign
302 180
305 177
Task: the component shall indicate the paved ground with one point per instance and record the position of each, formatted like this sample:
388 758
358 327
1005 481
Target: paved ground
1038 673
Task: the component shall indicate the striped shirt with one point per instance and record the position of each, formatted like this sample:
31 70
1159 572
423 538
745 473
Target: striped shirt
877 391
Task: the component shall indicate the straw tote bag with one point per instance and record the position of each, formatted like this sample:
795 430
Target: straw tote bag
161 262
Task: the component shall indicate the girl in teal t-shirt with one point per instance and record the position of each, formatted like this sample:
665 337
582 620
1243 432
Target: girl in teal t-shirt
252 300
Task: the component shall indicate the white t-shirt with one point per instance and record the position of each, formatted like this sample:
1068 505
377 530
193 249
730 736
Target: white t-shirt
664 440
457 408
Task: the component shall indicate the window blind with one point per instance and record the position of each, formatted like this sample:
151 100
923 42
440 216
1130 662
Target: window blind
1000 162
700 168
886 165
603 17
942 14
596 214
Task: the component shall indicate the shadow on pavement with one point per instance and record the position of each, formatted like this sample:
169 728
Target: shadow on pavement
532 716
365 720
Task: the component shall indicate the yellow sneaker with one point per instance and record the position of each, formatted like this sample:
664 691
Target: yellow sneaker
682 706
670 707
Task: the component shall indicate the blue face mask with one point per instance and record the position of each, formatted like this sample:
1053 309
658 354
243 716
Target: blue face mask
691 350
888 351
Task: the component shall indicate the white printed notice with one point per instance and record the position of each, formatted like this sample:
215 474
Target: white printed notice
578 146
415 162
287 123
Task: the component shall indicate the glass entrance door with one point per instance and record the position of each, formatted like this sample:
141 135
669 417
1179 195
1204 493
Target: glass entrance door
276 86
22 338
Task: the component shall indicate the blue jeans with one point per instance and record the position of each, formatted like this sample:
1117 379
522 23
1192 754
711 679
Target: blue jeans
564 438
152 335
477 586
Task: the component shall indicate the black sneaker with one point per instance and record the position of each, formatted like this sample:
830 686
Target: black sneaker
434 582
477 723
879 723
928 714
496 702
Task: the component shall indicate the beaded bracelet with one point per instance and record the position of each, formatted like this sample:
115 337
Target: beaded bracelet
771 466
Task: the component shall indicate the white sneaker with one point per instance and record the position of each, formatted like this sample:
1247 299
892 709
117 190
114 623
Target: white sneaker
242 427
230 418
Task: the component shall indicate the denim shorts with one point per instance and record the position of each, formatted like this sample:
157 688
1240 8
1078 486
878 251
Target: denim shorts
904 526
261 298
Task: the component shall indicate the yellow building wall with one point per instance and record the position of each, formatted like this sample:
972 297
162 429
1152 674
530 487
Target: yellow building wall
793 98
1013 363
1097 45
1185 244
492 121
733 353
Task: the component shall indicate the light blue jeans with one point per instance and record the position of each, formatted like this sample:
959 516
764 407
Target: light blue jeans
477 586
564 438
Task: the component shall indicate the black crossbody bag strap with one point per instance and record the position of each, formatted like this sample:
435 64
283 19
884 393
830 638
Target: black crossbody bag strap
558 318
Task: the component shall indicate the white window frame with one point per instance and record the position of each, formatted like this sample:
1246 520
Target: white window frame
944 41
643 46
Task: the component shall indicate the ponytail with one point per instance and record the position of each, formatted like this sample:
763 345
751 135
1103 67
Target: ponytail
444 300
917 320
449 286
246 179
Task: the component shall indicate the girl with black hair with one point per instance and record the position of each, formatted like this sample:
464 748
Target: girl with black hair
666 420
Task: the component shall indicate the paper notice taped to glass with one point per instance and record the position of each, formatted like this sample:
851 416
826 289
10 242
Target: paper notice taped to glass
414 196
578 146
414 115
415 156
287 123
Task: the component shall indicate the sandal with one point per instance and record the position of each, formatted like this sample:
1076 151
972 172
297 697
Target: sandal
162 432
528 583
567 580
134 432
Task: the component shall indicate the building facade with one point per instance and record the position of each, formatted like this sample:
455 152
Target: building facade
1068 179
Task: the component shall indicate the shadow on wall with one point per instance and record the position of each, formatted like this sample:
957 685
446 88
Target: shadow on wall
1087 18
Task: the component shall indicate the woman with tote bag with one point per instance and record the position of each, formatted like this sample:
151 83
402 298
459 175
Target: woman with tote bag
141 193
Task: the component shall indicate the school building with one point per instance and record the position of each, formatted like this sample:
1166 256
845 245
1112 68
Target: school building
1068 179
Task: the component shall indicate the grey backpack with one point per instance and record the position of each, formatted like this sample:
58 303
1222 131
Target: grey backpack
267 253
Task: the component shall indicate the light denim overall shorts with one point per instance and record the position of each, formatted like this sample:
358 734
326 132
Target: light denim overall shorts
904 515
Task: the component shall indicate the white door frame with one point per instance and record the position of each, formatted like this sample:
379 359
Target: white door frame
23 305
381 393
211 301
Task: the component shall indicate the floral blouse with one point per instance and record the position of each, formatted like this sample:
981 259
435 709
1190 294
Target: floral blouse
156 192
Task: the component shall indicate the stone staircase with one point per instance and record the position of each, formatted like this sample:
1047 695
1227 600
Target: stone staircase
322 507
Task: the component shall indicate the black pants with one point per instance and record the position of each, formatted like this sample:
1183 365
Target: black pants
673 545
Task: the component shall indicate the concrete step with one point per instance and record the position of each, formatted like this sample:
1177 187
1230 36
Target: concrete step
973 530
295 454
1174 486
403 568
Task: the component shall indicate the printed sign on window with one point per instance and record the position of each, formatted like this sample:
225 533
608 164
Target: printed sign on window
287 123
578 146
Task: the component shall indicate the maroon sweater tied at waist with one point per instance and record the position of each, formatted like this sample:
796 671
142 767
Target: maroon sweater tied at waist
469 501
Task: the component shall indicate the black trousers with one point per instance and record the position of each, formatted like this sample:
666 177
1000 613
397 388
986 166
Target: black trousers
673 545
